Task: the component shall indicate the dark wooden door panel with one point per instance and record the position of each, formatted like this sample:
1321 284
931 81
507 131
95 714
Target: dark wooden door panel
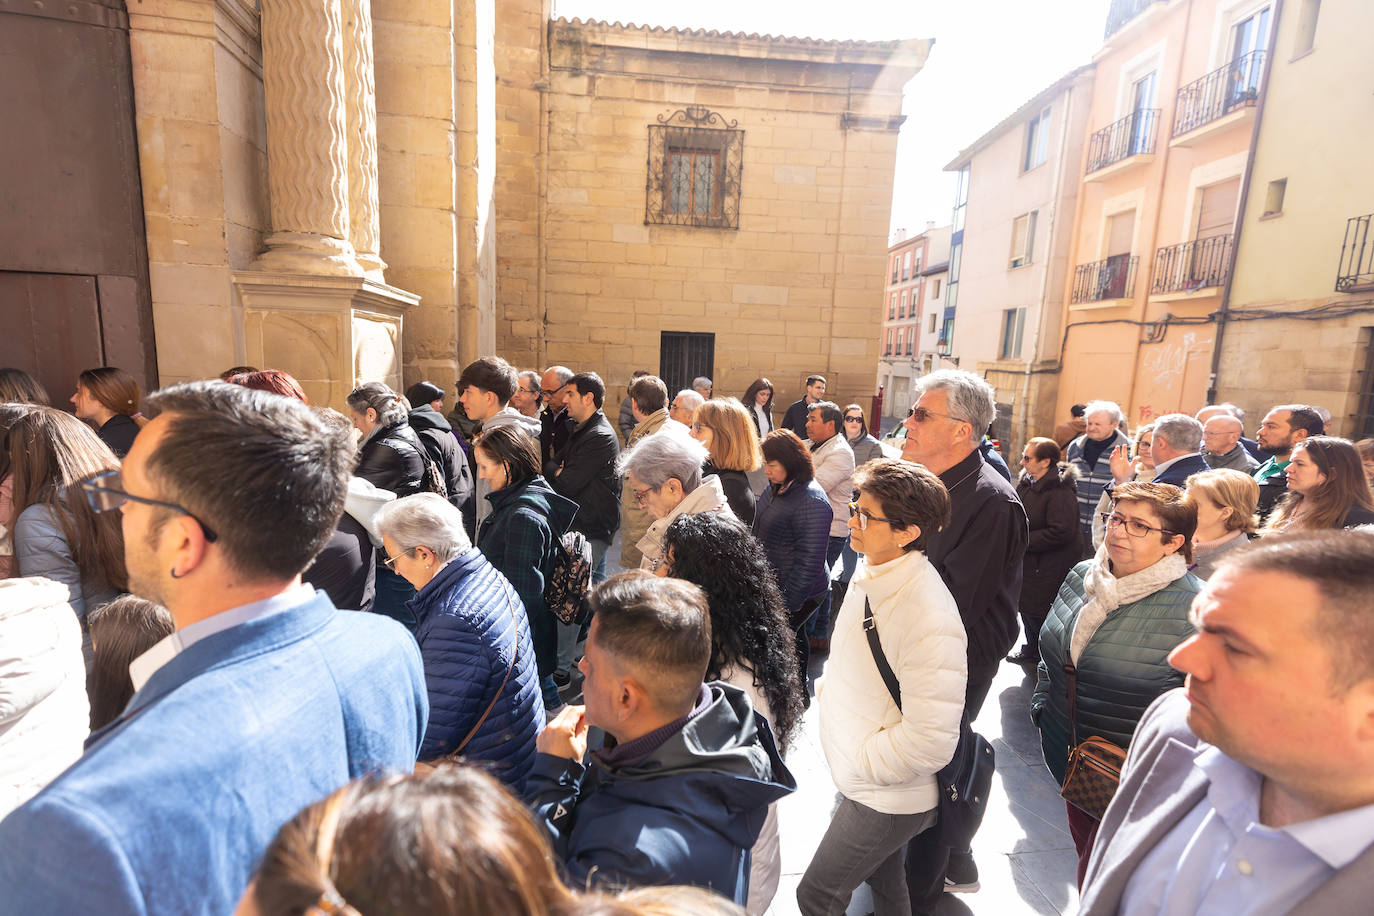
50 328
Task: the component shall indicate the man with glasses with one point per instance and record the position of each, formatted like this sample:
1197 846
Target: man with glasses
684 407
979 555
265 699
554 423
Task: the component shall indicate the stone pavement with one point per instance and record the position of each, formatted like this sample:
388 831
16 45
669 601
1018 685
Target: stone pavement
1025 855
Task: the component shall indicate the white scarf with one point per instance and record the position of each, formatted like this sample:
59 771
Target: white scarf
1104 593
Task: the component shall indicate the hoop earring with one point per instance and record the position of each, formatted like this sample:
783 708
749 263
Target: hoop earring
173 573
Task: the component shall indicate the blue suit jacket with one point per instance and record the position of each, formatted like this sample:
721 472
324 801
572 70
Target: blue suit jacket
172 805
1179 472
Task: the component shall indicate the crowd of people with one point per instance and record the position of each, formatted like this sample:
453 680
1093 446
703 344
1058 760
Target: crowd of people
373 662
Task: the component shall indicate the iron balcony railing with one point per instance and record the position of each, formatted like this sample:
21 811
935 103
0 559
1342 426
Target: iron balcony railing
1356 273
1111 278
1199 264
1131 136
1122 12
1230 88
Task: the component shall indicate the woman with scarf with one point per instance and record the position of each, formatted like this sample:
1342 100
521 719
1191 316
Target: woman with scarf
1115 621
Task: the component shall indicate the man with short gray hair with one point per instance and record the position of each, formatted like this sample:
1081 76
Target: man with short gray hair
1091 455
684 406
979 555
1221 448
1176 446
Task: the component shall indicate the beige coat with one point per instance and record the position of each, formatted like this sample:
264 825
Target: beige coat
634 521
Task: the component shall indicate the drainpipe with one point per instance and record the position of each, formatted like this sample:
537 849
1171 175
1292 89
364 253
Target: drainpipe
1240 212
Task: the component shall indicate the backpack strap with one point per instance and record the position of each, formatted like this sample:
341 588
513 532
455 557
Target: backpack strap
884 669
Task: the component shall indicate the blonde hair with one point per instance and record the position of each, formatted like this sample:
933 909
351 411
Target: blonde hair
734 444
1227 488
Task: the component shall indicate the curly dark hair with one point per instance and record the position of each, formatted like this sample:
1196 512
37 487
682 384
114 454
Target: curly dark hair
748 621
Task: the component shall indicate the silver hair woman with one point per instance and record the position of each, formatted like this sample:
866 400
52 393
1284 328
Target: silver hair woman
664 473
474 639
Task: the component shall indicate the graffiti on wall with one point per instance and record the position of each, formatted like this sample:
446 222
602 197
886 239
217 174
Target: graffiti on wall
1165 373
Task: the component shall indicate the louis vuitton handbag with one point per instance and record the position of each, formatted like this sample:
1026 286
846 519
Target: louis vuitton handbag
1094 767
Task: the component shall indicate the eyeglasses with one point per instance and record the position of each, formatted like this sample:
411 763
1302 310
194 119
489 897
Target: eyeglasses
524 390
1136 529
864 517
105 493
548 393
922 414
698 427
391 561
640 494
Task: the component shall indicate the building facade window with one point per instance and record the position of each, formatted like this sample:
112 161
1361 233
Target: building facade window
683 356
933 318
1022 239
896 262
696 161
901 305
906 266
1037 141
935 290
892 307
1013 325
960 199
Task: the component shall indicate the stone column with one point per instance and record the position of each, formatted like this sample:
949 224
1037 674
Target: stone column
364 224
307 155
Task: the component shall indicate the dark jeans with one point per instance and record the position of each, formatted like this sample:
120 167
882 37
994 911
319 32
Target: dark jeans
928 854
819 626
393 592
798 621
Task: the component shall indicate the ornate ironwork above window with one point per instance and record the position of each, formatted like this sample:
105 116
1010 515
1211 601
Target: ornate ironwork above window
696 161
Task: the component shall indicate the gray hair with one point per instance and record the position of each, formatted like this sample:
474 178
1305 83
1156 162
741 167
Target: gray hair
391 411
701 381
688 400
424 520
1107 407
562 373
1181 431
971 398
664 456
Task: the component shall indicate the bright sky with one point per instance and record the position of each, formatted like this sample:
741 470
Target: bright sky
989 57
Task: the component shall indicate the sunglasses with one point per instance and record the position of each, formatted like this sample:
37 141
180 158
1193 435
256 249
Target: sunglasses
853 419
923 414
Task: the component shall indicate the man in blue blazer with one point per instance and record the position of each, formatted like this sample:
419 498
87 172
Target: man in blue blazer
264 700
1177 449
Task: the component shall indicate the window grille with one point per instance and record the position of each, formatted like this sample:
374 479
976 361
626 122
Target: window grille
696 160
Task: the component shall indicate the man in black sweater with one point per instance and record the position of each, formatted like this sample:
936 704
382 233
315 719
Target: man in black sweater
979 556
795 418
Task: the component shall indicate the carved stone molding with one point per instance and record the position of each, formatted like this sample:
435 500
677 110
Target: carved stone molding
307 154
364 220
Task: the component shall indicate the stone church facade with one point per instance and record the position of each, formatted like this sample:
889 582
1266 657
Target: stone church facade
355 190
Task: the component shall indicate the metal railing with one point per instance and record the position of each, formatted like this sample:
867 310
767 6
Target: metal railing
1132 135
1110 278
1356 271
1122 12
1199 264
1224 90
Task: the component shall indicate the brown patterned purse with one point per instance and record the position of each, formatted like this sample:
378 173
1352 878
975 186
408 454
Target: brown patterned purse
1094 768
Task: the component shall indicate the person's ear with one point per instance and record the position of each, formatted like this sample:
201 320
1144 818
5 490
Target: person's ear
371 415
185 537
1174 544
908 534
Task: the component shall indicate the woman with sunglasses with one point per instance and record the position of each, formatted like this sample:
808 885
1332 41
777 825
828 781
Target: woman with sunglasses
1326 488
1049 492
1113 624
57 534
883 756
722 425
474 639
865 447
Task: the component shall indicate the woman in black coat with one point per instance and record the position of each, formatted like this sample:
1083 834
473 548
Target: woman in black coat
722 425
1050 496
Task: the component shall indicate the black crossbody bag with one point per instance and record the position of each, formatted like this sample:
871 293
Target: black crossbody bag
965 781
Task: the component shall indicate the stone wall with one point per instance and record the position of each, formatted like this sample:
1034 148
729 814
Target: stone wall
790 292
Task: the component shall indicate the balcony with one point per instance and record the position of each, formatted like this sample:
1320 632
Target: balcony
1122 12
1104 284
1221 100
1356 271
1192 270
1123 145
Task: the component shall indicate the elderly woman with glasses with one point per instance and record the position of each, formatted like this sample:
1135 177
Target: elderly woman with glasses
1105 646
665 477
484 700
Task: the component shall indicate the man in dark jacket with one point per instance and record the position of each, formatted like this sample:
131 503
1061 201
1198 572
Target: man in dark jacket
795 418
1091 455
681 789
554 423
437 436
1176 446
979 555
585 468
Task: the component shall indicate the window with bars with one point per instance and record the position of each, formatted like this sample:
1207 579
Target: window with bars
696 160
683 356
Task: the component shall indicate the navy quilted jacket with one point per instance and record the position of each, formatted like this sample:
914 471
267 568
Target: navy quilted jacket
1123 669
794 527
470 621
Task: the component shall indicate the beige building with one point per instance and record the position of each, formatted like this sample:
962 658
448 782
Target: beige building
386 189
912 302
713 204
1022 186
1298 325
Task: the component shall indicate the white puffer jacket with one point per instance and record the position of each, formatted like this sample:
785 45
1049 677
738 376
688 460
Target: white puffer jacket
44 714
880 756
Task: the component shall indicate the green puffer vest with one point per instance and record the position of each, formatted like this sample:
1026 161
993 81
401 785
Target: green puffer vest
1122 670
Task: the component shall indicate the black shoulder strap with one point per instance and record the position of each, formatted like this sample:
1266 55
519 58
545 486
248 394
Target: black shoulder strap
889 678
